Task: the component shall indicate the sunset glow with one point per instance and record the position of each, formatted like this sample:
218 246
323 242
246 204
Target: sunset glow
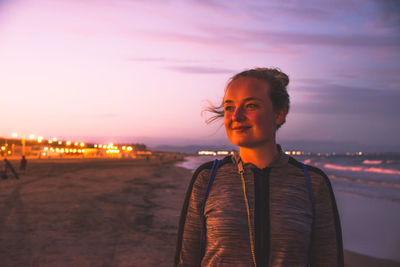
142 71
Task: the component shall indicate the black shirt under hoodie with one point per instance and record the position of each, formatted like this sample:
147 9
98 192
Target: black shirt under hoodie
261 218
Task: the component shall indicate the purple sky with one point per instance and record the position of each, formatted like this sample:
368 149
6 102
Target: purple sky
143 70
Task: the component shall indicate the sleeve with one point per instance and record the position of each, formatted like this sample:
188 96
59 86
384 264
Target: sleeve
188 244
327 244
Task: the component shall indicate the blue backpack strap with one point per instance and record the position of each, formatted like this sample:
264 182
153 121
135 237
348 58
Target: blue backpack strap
210 182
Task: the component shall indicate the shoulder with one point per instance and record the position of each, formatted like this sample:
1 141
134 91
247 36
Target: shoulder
200 178
204 170
317 176
312 170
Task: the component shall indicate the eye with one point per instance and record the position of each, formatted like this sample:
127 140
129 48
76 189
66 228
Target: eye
251 106
228 108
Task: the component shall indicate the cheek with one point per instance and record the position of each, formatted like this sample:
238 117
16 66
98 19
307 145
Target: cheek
263 120
226 121
228 115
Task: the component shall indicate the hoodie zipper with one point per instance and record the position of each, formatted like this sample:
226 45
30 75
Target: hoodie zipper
241 172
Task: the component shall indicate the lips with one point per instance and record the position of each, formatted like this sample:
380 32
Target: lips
241 128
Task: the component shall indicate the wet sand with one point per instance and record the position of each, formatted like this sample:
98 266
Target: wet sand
98 213
370 226
91 213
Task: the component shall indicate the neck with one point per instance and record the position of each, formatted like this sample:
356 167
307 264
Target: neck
261 156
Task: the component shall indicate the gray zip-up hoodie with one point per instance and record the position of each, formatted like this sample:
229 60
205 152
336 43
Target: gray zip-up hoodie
284 230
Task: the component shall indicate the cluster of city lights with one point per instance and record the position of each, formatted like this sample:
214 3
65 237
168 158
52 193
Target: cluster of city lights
3 148
354 154
294 153
111 146
68 147
62 150
111 149
53 140
213 153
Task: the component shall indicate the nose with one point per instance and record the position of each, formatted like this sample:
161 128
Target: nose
238 114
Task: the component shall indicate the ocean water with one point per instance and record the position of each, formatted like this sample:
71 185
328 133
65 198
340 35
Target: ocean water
373 177
193 162
367 192
370 176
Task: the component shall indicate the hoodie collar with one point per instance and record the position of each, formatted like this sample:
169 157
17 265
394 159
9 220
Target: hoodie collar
280 160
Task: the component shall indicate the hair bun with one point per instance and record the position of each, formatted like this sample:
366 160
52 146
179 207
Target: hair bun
280 76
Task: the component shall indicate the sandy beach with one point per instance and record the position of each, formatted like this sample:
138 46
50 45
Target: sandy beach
87 212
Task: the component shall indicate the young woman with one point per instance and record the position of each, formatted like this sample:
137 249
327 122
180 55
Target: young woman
263 208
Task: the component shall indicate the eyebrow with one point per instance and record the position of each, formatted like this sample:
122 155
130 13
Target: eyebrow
246 99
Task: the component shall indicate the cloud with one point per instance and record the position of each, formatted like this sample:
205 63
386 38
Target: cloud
339 99
218 39
211 4
160 60
285 25
285 43
5 2
319 39
199 70
265 10
295 12
7 7
388 13
383 73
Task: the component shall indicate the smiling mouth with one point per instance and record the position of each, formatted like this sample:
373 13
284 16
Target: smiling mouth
241 128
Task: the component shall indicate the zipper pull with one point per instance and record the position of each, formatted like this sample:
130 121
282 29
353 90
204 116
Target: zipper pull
240 167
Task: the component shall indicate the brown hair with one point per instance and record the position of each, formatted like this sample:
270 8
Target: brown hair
278 82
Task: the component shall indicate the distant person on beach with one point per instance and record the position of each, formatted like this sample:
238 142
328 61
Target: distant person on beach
258 207
23 164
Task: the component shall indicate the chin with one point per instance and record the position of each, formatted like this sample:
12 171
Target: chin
241 142
247 142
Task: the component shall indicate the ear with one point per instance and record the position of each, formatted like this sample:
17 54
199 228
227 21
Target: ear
280 116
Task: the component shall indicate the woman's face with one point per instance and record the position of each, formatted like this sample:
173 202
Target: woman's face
249 117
